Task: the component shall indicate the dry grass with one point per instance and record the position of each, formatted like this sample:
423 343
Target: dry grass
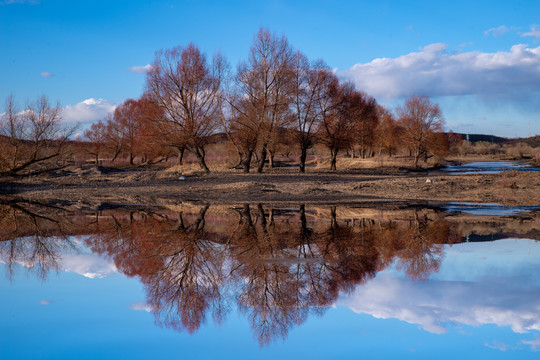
348 163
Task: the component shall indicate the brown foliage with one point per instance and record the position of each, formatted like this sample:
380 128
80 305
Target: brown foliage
420 120
188 90
349 116
311 86
261 100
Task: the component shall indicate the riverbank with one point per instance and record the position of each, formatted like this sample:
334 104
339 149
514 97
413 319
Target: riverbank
94 184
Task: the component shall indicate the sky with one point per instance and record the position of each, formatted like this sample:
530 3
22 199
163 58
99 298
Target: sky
479 60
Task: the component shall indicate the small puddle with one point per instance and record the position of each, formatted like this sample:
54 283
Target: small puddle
489 208
488 167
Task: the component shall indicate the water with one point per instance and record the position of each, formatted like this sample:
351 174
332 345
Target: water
264 282
489 208
489 167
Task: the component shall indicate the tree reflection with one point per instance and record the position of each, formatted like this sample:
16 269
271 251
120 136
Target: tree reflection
278 266
32 239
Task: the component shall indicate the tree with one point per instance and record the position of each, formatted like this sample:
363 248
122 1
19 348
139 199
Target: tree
12 128
310 87
33 137
341 113
420 120
364 115
262 99
97 135
386 134
188 89
134 129
114 137
125 116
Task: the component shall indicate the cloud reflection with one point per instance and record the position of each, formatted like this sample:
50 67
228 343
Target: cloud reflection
501 298
90 266
141 306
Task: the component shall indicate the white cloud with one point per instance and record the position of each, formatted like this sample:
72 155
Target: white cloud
46 74
140 69
535 32
534 344
89 265
498 31
89 110
498 345
435 72
45 302
141 306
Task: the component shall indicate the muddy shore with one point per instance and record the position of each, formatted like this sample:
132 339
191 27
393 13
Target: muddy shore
93 184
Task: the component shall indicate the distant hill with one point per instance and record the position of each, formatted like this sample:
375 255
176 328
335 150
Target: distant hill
482 137
533 141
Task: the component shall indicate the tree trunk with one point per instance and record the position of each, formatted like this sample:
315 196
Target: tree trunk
303 156
116 153
240 160
246 214
416 157
333 159
180 158
247 161
262 216
272 154
262 160
199 153
333 218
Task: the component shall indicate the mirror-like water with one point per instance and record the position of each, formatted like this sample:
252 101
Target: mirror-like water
489 208
258 281
489 167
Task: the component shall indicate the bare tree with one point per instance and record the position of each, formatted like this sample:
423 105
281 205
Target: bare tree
97 135
12 128
338 128
126 117
420 120
364 114
33 137
114 137
386 134
188 89
310 88
263 96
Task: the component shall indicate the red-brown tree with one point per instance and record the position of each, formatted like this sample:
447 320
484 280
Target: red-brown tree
189 90
311 85
420 120
262 100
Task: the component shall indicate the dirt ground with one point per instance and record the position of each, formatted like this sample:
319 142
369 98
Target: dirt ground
380 185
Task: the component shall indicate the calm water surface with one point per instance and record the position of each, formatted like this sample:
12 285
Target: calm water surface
489 167
253 281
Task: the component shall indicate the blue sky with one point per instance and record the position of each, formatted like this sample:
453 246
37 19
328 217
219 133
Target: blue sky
480 60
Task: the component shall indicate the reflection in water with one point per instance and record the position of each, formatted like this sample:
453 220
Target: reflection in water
33 239
277 266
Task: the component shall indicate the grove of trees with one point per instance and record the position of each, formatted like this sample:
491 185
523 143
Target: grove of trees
276 102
